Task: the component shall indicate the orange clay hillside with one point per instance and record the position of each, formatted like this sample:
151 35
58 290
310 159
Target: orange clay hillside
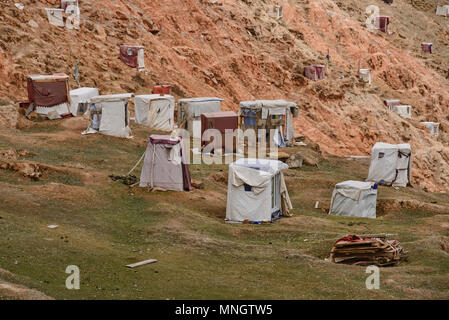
207 49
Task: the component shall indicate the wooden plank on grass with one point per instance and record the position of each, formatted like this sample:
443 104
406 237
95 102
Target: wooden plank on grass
141 263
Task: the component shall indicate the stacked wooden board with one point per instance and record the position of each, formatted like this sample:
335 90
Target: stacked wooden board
368 250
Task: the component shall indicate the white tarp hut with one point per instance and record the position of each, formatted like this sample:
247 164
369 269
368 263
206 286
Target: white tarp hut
66 3
55 16
442 10
433 127
403 111
365 75
392 102
165 165
276 11
155 111
354 199
391 164
257 191
270 114
80 99
191 109
109 115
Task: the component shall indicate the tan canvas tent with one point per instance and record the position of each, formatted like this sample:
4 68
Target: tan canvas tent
433 127
109 115
354 199
404 111
270 114
155 111
276 11
191 109
391 164
365 75
80 99
165 165
257 191
442 10
392 102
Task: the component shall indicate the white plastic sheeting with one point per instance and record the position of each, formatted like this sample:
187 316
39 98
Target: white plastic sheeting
55 16
390 164
55 112
81 95
141 58
192 108
276 11
274 108
256 190
354 199
365 75
162 166
433 127
442 10
155 111
265 165
392 102
404 111
114 115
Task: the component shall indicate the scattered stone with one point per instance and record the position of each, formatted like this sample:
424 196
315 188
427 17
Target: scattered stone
310 161
31 170
295 161
197 184
315 147
220 177
33 24
282 156
53 115
13 154
129 180
444 244
9 116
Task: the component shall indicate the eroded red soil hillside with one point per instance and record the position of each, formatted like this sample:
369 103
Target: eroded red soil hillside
206 49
